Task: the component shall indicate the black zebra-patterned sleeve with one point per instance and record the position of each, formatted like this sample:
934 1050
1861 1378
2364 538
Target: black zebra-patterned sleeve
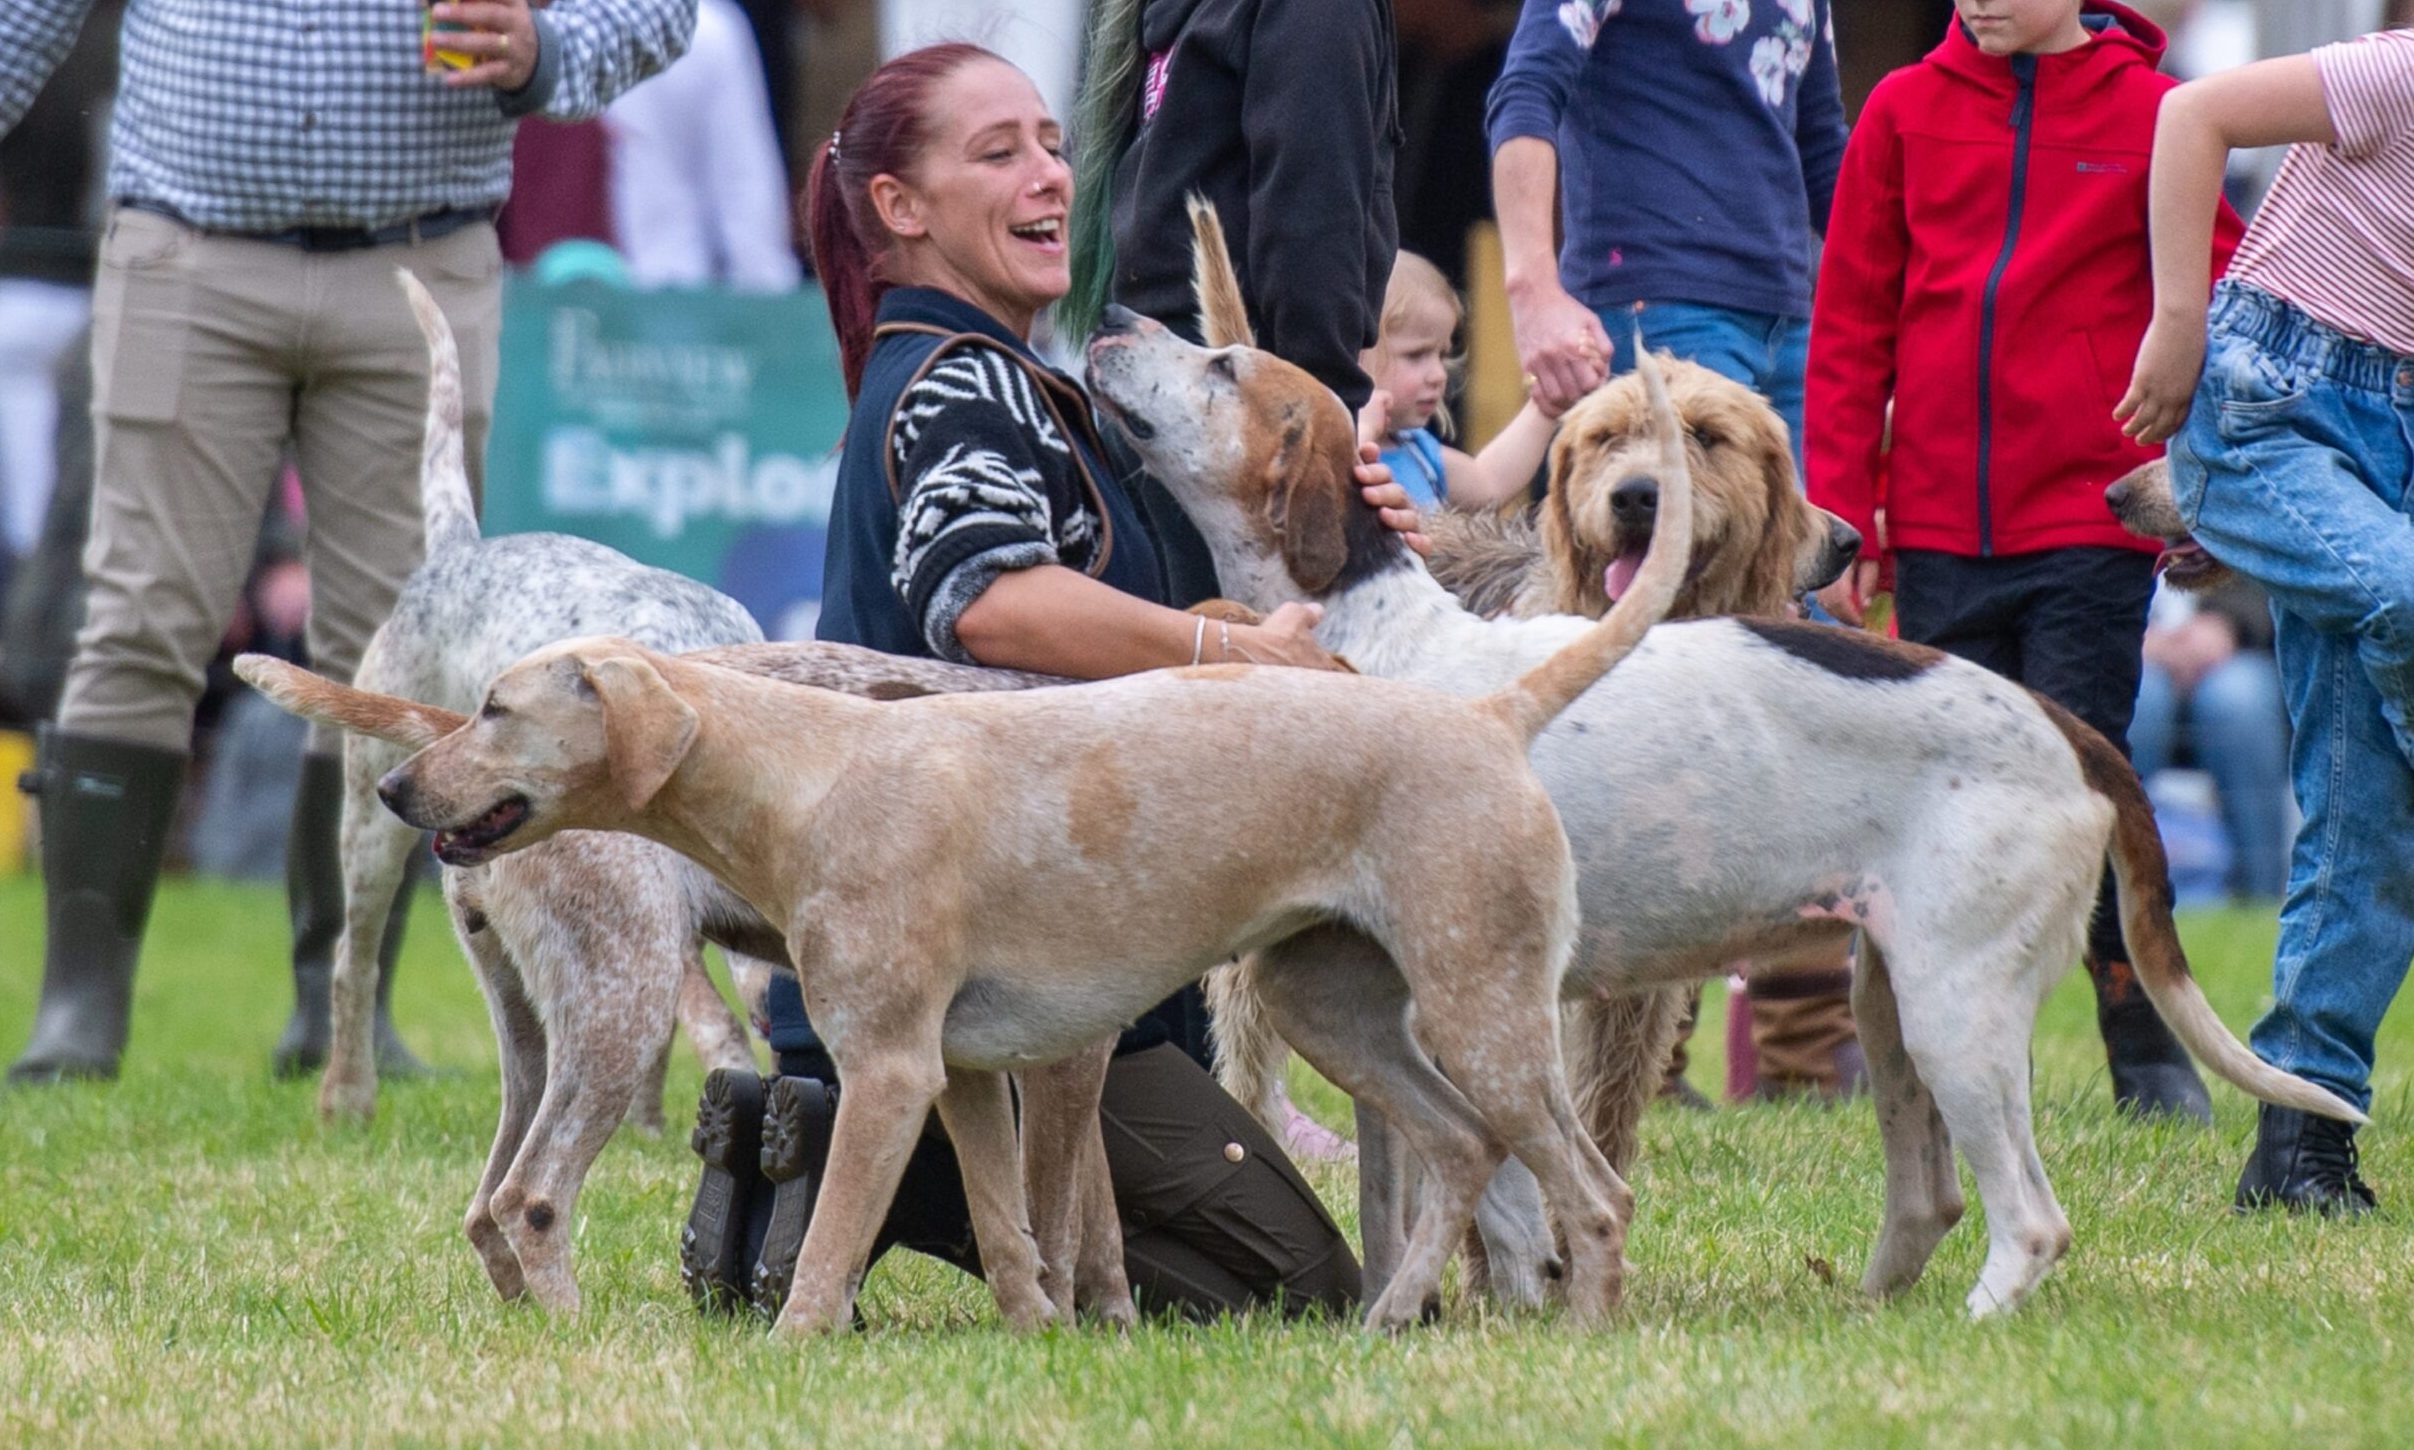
986 480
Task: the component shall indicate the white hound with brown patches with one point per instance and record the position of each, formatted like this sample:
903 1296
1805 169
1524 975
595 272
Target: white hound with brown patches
971 884
1737 790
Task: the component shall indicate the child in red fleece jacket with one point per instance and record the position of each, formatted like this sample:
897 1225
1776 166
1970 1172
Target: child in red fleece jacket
1987 272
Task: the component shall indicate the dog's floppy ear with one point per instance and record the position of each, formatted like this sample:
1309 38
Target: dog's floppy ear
1576 564
385 717
1305 503
1223 318
647 727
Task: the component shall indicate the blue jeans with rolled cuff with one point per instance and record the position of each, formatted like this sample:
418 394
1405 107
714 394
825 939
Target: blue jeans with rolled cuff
2293 469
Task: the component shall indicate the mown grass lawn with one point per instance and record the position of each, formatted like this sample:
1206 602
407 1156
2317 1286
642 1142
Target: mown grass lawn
187 1257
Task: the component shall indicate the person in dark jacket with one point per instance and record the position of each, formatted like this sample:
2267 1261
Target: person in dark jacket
975 520
1988 275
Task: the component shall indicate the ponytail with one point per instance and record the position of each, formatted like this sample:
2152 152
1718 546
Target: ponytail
881 131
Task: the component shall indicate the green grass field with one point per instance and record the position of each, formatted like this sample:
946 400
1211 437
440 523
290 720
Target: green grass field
188 1257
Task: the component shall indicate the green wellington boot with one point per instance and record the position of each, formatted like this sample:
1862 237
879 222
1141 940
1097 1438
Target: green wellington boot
314 893
106 809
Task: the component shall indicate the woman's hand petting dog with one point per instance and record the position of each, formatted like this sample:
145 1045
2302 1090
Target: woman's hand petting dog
2163 384
1286 637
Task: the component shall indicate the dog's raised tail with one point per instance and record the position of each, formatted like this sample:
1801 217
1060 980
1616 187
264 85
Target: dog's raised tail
2155 953
1550 687
448 512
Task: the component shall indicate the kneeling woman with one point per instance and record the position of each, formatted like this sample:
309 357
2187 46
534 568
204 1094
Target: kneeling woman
975 521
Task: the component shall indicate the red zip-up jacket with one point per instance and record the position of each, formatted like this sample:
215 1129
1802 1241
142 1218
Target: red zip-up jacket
1986 269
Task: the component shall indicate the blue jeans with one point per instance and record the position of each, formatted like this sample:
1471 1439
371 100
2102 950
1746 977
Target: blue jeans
2293 469
2238 730
1761 350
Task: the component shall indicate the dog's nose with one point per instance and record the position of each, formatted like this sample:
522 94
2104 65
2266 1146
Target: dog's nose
394 788
1636 502
1118 320
2117 496
1843 538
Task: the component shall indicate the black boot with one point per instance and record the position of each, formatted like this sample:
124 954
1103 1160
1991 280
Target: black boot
796 1148
314 896
713 1258
2306 1164
2151 1073
106 809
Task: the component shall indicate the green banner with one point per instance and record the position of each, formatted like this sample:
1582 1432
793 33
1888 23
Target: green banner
693 430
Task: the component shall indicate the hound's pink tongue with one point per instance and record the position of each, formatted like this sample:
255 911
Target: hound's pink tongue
1619 576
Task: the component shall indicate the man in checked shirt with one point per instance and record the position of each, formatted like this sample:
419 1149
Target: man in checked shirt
271 164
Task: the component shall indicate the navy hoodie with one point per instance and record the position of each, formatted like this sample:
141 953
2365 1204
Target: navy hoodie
1699 142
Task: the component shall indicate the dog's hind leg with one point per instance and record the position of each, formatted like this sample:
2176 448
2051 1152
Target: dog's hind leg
1342 1004
1384 1190
604 984
1616 1049
376 850
719 1039
645 1116
520 1040
1968 1033
1491 1055
1520 1256
716 1033
1101 1281
979 1117
1923 1195
1064 1160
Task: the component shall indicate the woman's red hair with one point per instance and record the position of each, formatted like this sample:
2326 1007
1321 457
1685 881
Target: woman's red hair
883 130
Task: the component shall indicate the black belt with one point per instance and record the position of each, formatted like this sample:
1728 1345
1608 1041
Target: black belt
424 228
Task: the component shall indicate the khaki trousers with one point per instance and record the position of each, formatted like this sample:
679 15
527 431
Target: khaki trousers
211 356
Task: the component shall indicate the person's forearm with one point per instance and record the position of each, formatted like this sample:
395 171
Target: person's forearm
34 38
1525 195
2183 191
1507 463
1059 621
2270 103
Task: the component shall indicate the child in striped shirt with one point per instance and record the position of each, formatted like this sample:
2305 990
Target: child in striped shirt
2291 418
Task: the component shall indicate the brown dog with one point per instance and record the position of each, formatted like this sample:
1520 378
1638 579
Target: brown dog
1758 544
2141 499
969 884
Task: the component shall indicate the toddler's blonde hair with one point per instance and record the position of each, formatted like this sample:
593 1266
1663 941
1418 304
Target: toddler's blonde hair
1417 284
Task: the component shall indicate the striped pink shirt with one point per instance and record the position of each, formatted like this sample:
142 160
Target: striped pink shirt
2336 234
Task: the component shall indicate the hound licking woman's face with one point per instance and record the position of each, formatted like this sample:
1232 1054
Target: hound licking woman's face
984 213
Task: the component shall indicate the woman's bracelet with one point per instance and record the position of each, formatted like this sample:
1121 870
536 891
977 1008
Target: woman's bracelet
1198 640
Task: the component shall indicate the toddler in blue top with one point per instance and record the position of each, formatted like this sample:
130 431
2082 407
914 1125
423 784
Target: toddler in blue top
1411 365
